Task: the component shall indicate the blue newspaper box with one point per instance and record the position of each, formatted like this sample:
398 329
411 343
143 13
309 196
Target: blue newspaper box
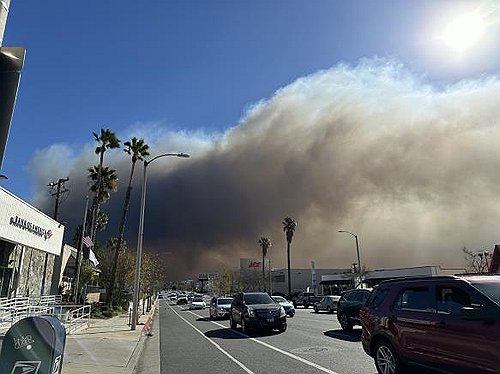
33 345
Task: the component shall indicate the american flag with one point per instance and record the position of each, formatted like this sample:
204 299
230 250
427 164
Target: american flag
87 241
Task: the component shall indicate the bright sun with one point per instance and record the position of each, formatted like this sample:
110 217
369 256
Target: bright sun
464 31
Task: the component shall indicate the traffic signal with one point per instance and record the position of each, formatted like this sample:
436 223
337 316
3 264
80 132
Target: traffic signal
11 64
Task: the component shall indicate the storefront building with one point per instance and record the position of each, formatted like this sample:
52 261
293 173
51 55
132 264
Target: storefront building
30 241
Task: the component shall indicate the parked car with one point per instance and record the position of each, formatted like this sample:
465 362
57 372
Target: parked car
328 303
257 310
447 322
306 299
197 302
220 307
349 306
182 299
287 305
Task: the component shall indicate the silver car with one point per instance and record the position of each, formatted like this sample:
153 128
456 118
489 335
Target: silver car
220 307
287 305
327 303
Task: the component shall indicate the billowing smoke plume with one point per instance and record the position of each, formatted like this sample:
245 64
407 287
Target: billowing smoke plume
413 170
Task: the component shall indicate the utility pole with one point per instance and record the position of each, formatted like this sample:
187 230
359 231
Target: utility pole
59 191
79 252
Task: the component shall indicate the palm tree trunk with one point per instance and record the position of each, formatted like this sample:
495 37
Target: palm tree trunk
263 272
95 203
121 232
289 272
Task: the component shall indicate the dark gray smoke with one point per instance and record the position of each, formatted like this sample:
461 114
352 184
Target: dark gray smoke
413 170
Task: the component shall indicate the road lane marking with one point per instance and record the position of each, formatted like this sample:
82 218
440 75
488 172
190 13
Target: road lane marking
291 355
247 370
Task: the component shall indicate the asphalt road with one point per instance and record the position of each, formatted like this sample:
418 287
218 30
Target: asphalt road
313 343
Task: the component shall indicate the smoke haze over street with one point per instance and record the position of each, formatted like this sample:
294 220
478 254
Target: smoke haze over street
413 169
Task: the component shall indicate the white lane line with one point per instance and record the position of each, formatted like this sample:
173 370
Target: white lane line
291 355
247 370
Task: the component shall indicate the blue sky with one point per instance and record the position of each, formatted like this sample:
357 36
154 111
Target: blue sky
378 117
198 65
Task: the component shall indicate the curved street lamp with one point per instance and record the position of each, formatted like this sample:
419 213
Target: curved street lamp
357 252
141 235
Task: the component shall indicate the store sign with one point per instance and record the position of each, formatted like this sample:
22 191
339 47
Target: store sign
252 264
21 223
30 227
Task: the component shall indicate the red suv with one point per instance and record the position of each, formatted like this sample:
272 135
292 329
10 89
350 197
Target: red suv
445 322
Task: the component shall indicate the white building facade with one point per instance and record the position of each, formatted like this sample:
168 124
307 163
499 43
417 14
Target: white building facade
30 241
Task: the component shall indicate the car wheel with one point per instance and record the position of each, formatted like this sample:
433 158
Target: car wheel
316 309
345 322
386 359
306 306
282 327
232 323
329 310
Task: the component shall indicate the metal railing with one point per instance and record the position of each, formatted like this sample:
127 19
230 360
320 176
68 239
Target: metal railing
17 308
11 310
50 299
77 318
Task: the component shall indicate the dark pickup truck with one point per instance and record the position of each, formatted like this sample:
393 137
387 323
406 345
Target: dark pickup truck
306 299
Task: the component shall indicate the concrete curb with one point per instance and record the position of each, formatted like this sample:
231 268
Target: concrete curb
136 354
149 360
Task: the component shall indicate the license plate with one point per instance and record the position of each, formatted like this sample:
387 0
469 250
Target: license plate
270 320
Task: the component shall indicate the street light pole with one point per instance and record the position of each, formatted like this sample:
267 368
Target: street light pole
140 236
4 12
357 252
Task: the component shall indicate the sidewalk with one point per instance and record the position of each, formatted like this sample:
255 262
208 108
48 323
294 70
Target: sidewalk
107 345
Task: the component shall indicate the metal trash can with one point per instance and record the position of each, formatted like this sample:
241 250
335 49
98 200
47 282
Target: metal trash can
33 345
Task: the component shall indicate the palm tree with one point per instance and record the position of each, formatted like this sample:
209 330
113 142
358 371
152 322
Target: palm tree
102 220
265 244
138 149
107 179
289 226
106 140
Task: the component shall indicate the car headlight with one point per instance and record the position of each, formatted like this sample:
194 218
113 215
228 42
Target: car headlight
251 312
282 312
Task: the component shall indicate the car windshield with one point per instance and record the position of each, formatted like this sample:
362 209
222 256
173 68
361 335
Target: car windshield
491 289
198 298
279 299
224 301
258 298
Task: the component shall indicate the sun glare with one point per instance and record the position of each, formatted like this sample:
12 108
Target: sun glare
464 31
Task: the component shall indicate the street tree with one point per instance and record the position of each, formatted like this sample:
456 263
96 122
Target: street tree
477 262
289 226
153 272
106 140
137 149
264 244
